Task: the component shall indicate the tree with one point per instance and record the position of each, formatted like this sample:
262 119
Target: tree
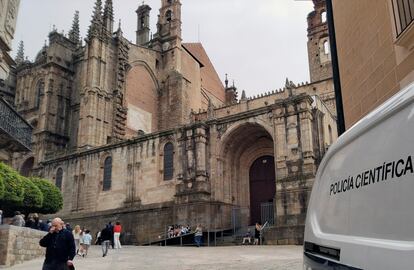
2 188
13 186
33 196
52 197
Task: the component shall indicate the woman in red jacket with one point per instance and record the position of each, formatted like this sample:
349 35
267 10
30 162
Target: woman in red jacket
117 233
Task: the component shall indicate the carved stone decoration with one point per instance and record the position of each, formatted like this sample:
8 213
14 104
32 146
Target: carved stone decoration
221 129
120 110
11 17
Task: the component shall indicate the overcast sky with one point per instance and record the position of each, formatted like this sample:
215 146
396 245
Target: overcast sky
257 42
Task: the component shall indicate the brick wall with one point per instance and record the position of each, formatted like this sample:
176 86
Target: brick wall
19 244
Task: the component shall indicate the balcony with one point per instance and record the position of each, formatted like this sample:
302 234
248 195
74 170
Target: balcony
15 132
403 12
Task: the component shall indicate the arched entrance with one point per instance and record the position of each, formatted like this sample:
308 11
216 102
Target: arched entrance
27 167
243 148
262 185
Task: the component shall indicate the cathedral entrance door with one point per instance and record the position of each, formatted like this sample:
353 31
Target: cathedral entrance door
262 185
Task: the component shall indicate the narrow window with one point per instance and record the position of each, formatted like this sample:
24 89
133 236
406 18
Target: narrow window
323 16
107 175
326 47
40 89
59 178
168 161
168 15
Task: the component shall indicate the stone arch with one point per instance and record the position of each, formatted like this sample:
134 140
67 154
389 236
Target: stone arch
27 167
141 99
251 121
242 144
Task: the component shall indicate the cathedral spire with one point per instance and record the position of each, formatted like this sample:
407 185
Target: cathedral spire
108 16
74 33
95 28
20 54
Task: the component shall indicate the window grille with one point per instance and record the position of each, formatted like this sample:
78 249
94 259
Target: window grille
107 176
168 161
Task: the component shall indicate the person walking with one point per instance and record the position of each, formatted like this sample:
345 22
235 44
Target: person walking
111 228
86 242
60 247
257 232
1 217
18 219
117 234
77 233
106 235
198 236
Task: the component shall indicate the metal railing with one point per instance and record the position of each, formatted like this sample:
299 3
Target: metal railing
403 11
267 213
15 126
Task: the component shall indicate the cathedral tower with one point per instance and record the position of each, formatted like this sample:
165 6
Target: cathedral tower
97 82
320 65
169 25
143 29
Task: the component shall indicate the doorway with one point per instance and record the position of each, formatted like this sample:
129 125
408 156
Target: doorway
262 185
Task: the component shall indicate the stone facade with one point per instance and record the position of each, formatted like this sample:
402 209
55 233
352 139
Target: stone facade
18 245
376 56
147 133
8 18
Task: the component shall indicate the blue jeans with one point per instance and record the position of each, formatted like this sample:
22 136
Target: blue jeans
198 240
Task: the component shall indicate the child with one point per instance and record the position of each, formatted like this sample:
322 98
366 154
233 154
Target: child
87 239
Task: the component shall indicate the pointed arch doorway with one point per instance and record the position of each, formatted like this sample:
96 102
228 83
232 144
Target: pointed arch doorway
262 186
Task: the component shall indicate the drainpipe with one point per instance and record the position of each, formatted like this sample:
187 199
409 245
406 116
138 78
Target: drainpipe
335 68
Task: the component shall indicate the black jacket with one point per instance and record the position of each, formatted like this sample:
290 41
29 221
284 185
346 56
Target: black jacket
106 234
60 246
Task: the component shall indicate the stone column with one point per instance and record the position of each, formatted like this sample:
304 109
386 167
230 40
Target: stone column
181 151
305 116
190 155
280 144
201 142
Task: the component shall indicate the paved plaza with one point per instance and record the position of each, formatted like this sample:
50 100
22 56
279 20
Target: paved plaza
188 258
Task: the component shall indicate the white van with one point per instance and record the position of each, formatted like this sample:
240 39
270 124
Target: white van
361 211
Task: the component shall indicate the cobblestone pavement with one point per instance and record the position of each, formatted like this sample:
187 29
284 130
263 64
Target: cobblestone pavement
187 258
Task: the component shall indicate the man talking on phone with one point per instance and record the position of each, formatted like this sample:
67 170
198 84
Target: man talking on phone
60 247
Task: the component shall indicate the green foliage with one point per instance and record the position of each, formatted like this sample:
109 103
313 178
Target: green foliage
33 196
13 186
2 187
52 197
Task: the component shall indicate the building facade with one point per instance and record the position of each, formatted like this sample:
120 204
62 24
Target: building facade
8 18
375 51
146 132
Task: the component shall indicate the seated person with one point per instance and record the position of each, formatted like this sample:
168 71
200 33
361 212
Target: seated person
247 237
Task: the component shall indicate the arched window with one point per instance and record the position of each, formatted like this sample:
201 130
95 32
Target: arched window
40 89
59 178
323 16
168 161
107 175
326 47
168 15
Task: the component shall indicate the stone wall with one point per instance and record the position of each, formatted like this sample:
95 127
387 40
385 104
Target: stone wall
19 244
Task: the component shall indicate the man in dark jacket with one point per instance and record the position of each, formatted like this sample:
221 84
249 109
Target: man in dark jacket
60 247
106 236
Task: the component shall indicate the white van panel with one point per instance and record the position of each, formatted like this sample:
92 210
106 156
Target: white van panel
362 201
